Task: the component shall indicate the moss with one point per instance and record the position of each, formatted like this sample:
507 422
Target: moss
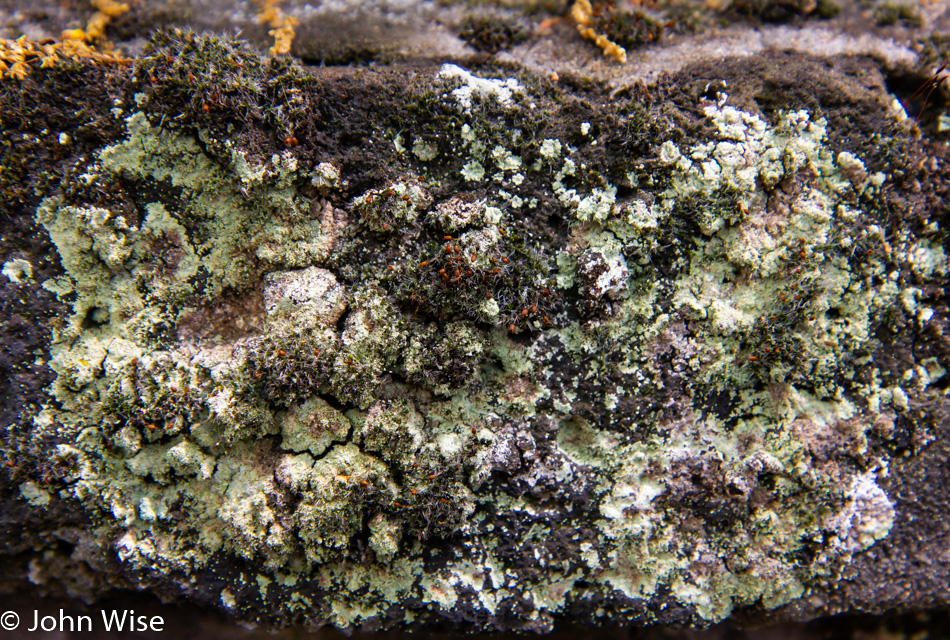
890 13
782 10
460 277
491 33
207 76
391 208
828 9
629 29
446 359
291 362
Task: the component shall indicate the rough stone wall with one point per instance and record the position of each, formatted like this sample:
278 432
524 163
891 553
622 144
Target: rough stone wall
479 342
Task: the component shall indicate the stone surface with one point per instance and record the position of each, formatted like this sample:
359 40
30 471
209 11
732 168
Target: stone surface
471 326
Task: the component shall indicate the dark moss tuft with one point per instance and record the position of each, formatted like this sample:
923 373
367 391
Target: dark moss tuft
494 277
491 33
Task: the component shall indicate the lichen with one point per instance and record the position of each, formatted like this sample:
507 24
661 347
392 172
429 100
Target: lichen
497 364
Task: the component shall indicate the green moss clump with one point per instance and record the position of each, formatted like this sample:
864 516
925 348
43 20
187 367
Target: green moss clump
783 10
156 397
205 77
890 13
776 345
435 499
446 358
292 363
391 208
629 29
706 211
828 9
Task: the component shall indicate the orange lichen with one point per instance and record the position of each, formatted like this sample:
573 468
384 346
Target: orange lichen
282 26
106 10
582 12
18 57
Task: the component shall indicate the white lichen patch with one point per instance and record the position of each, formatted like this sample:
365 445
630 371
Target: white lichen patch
34 495
325 177
294 244
313 294
551 149
867 516
384 537
459 213
18 271
473 87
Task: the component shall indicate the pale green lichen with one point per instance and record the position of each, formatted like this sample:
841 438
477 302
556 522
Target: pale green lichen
473 171
313 426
